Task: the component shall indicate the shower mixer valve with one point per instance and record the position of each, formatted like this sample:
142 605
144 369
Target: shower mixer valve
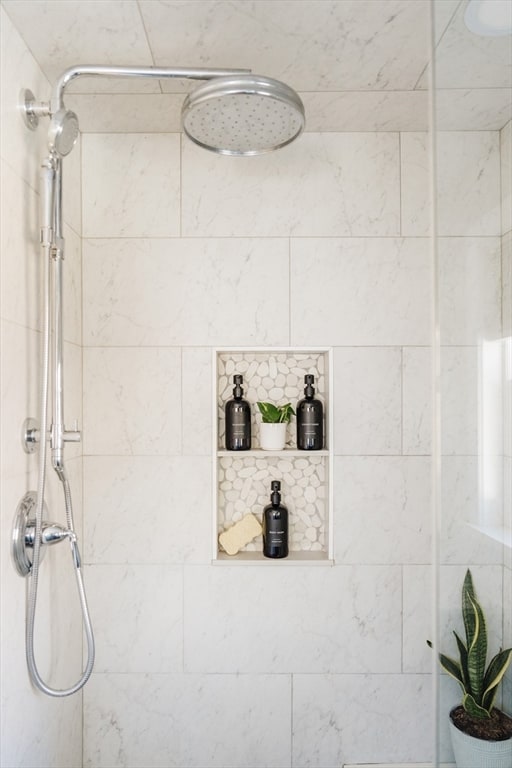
24 534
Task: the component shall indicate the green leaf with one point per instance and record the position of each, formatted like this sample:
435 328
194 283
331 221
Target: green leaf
286 412
468 595
494 675
270 413
275 414
473 709
477 652
453 668
463 653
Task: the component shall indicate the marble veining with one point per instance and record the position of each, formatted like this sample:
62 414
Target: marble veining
376 526
123 388
131 185
277 194
152 291
349 610
180 721
361 291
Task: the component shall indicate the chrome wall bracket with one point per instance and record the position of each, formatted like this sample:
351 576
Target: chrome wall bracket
30 435
32 110
23 533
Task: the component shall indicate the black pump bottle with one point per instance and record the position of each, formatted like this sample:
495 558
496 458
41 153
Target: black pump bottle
275 525
310 419
238 419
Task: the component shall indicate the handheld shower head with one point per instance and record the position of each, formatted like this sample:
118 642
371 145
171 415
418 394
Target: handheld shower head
63 132
243 115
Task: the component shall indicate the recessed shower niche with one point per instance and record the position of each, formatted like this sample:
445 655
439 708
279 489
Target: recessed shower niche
242 478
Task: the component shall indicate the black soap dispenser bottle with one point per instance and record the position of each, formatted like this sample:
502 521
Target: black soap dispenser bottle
310 419
275 525
238 419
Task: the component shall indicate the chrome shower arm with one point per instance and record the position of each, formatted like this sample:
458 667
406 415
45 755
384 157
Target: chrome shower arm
159 73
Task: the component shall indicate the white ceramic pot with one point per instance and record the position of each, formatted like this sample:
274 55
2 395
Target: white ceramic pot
272 436
478 753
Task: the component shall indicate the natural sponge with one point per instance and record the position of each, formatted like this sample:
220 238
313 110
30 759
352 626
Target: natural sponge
240 534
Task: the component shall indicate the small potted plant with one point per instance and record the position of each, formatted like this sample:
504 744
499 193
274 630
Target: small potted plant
481 734
275 419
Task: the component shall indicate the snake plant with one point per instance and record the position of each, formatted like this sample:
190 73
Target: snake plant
479 684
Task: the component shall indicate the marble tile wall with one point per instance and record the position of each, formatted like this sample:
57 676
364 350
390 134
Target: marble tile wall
325 243
37 731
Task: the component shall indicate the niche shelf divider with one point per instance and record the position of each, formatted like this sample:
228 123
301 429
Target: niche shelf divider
241 479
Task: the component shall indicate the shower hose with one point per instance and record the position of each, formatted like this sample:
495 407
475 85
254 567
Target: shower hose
34 573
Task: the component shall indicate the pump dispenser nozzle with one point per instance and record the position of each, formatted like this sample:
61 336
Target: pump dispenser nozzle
275 496
309 389
237 390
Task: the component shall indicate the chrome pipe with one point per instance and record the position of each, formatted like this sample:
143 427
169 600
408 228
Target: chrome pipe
57 427
160 73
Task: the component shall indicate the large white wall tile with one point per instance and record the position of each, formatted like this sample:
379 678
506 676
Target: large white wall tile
382 509
463 510
299 619
111 32
341 719
131 185
366 111
415 184
416 401
459 400
417 619
189 292
20 147
196 364
131 398
187 721
127 112
367 400
468 179
360 292
138 619
469 289
21 268
19 395
297 41
466 59
468 185
506 177
324 184
472 109
127 499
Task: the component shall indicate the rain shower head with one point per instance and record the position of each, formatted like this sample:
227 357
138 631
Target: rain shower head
243 115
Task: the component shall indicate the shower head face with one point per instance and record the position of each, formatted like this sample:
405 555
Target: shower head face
243 115
63 132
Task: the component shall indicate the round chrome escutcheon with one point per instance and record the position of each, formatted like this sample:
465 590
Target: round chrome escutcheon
23 533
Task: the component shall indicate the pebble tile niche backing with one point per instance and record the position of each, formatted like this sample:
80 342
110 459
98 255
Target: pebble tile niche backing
243 481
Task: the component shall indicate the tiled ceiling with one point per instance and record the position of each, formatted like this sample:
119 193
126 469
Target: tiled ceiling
358 64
